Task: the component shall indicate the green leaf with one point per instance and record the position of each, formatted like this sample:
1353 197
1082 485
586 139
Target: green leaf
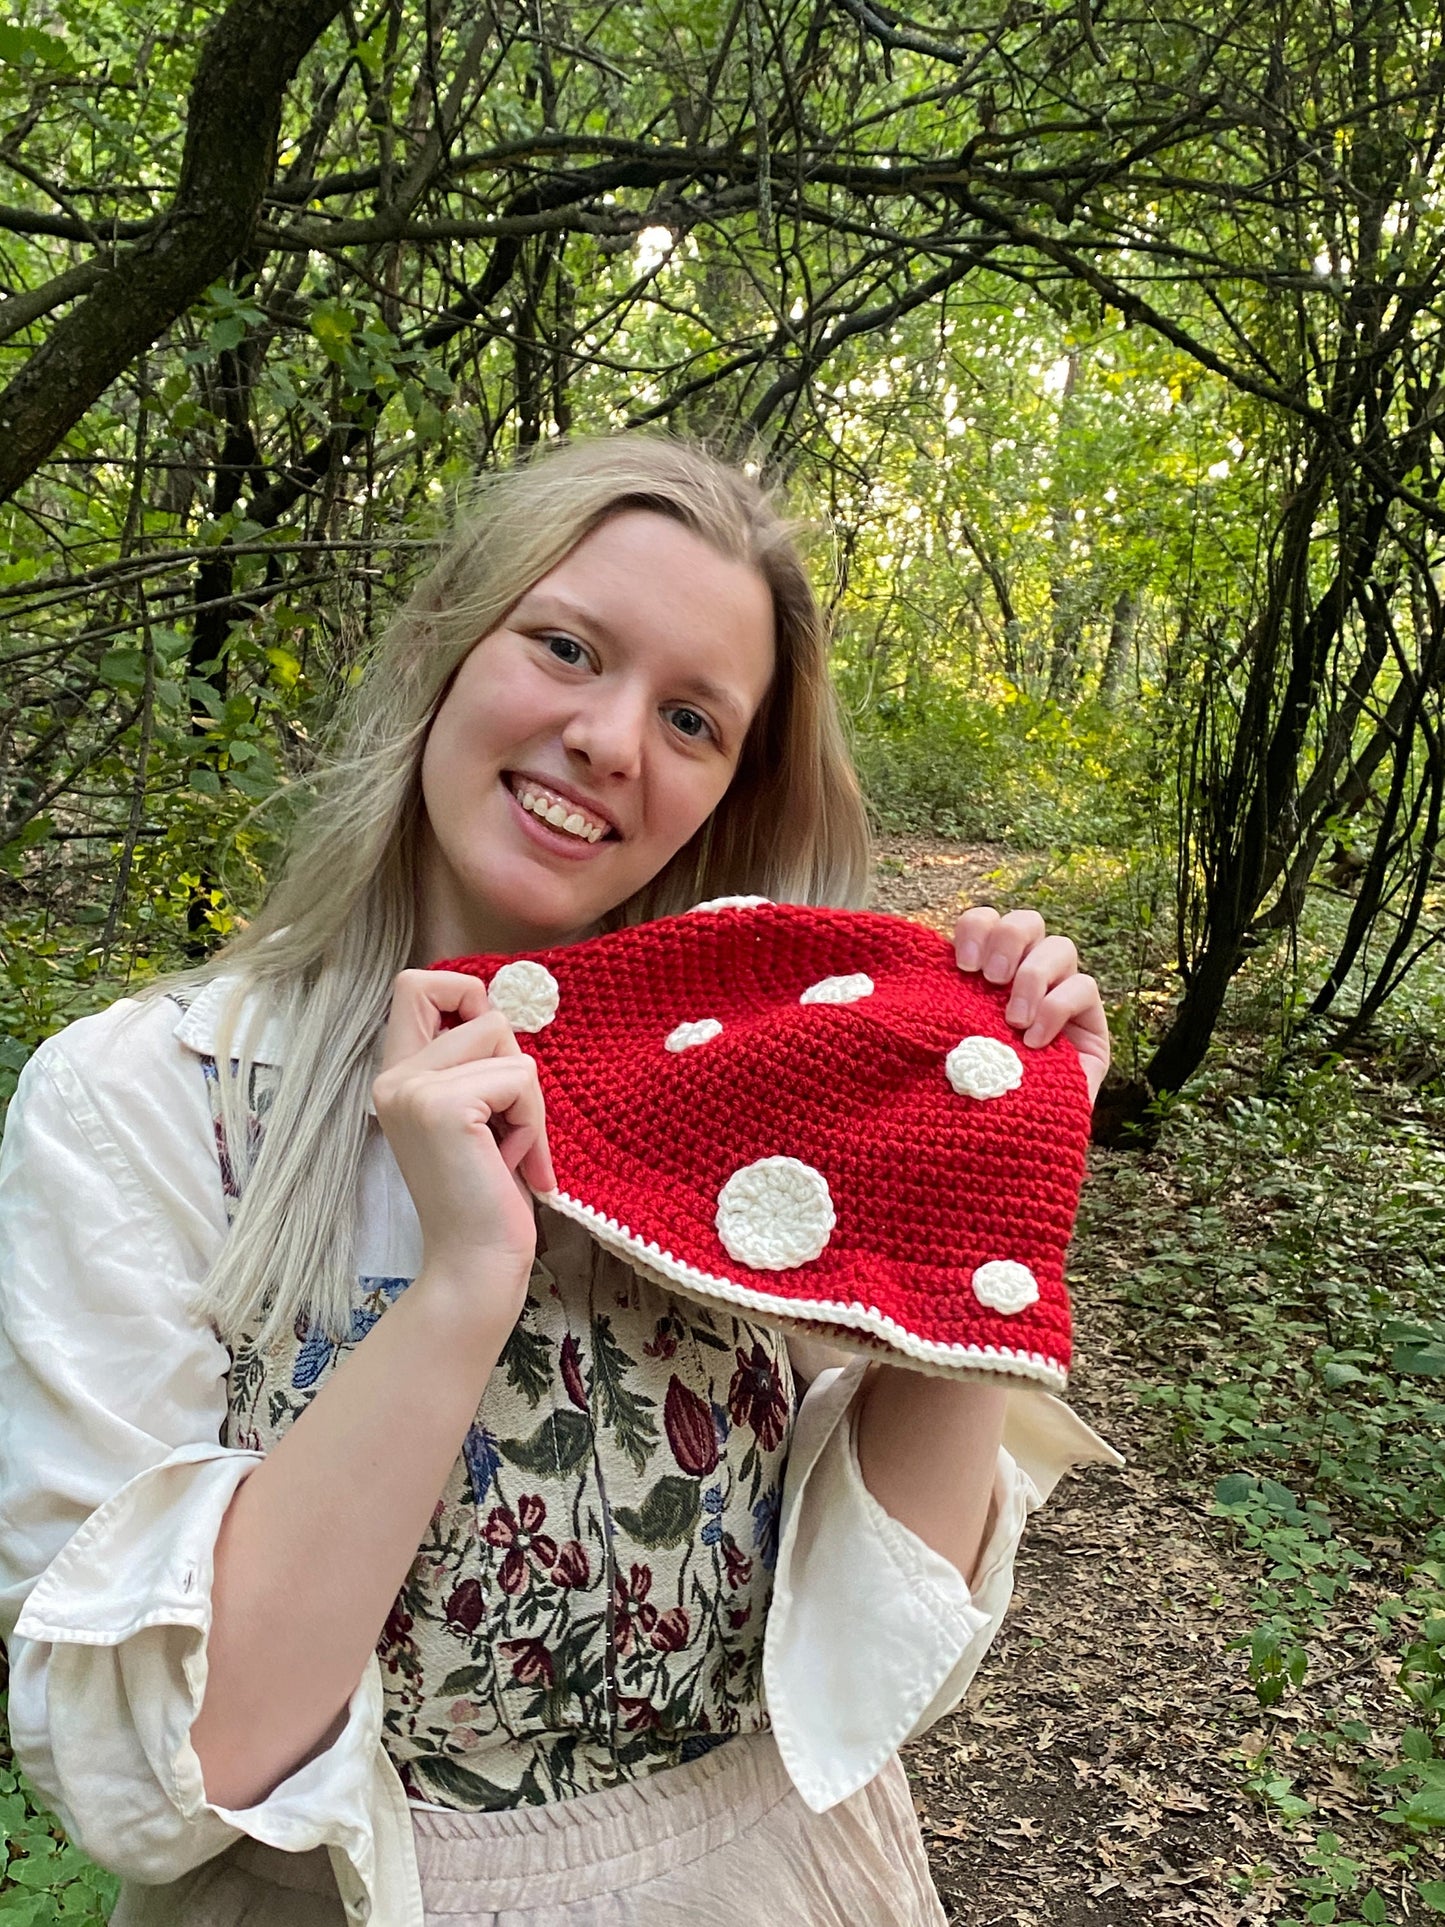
228 331
1337 1374
19 1909
527 1361
1432 1893
1372 1907
560 1444
667 1516
1426 1808
630 1412
1235 1488
333 325
469 1790
465 1678
32 47
123 668
1419 1361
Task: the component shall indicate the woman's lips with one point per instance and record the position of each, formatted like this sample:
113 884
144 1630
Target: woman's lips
558 842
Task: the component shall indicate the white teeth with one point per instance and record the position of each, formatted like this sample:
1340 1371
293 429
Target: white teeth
561 816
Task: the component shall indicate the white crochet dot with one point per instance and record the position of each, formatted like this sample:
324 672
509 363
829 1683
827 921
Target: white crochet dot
775 1214
1005 1286
983 1067
838 990
526 993
731 903
686 1035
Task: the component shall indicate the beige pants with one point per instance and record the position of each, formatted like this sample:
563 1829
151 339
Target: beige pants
723 1842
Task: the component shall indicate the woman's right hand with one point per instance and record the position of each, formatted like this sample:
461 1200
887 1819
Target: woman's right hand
462 1110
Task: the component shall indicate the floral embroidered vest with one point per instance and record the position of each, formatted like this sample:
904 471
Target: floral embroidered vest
589 1601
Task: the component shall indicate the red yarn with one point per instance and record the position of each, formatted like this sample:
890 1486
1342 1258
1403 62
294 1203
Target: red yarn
928 1184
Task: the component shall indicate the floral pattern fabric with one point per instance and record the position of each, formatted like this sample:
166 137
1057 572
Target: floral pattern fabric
589 1601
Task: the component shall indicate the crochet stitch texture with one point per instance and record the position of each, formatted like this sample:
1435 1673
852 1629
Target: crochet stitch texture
813 1115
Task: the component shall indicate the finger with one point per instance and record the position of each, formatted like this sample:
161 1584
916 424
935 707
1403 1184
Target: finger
1014 934
971 934
419 1000
505 1094
1050 962
1076 1001
486 1035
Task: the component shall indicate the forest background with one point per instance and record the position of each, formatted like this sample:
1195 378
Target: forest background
1103 342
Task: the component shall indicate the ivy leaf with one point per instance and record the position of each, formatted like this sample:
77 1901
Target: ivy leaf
667 1516
560 1444
471 1791
464 1679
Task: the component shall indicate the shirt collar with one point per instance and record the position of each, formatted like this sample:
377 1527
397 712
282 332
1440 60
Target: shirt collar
199 1024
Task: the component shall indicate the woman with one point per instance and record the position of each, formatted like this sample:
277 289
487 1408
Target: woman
258 1666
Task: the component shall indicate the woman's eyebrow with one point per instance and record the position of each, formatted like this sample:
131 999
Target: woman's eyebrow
714 693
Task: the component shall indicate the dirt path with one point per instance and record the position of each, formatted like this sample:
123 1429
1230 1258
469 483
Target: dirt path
1096 1773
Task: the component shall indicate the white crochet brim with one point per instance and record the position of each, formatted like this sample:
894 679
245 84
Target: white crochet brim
855 1327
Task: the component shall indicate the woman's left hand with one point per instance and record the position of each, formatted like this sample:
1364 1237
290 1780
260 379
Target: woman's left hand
1051 996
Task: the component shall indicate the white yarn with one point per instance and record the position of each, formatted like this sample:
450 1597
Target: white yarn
1005 1286
838 990
526 993
775 1214
983 1067
686 1035
730 903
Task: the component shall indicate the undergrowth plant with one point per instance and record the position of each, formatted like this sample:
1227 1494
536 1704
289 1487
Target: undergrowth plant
1290 1294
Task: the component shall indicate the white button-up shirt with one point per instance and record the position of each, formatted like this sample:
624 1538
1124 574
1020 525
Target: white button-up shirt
113 1485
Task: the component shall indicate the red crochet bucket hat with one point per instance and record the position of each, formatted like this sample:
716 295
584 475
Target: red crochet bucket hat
815 1117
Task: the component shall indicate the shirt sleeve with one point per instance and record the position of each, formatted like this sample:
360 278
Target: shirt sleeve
113 1480
871 1634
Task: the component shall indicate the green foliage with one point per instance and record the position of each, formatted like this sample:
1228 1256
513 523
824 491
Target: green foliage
1290 1299
1007 770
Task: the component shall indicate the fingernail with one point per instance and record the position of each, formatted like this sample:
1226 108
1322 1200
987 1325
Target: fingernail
1017 1013
996 969
1034 1036
968 955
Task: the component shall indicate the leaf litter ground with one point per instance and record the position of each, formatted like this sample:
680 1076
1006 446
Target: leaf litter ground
1108 1763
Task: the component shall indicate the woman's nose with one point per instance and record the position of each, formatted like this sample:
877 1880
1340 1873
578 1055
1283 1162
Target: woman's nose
607 730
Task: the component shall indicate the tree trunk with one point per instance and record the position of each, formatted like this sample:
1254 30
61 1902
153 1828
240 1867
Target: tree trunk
1121 640
245 65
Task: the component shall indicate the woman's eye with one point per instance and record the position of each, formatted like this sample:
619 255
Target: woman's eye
566 649
691 723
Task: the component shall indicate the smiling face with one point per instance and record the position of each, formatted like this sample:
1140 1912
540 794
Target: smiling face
584 741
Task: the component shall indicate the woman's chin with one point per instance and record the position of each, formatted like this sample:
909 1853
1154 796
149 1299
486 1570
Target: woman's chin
524 913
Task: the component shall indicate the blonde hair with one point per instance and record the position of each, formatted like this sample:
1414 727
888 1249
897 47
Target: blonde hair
341 920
